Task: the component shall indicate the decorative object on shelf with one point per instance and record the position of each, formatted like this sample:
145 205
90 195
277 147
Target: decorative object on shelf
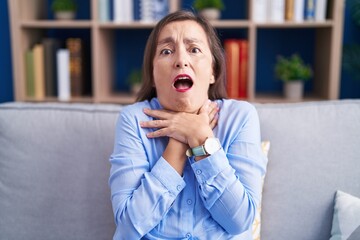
135 80
351 52
293 72
209 9
64 9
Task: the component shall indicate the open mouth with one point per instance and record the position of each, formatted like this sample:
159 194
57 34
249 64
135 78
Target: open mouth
183 83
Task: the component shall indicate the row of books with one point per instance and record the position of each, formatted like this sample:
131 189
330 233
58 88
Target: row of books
289 10
123 11
236 52
56 71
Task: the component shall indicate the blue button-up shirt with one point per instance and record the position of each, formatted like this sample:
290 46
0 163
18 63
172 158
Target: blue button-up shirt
216 197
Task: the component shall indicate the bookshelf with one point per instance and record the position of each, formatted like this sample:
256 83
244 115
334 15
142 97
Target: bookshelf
30 22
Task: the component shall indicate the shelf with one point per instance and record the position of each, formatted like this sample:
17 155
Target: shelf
55 99
130 25
309 24
107 43
278 98
55 24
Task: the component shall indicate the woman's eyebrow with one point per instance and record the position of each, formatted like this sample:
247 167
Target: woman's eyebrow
166 41
171 40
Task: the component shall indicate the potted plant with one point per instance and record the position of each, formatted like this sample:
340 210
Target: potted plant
351 52
293 72
135 80
209 9
64 9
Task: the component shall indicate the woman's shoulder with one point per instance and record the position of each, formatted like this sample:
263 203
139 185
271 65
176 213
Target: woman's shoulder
236 106
136 109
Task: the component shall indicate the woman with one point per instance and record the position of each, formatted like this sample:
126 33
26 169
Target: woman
187 163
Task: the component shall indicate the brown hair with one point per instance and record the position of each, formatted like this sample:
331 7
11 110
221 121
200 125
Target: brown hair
216 90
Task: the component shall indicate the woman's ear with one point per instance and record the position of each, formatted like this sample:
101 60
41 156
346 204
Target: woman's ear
212 79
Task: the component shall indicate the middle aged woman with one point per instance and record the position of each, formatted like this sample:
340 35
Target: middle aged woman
187 163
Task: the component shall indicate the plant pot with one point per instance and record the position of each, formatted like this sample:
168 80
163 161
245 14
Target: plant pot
210 13
135 88
293 90
66 15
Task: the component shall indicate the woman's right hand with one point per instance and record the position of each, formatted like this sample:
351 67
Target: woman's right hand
184 127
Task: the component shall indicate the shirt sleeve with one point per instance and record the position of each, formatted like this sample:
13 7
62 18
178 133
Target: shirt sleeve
140 196
230 181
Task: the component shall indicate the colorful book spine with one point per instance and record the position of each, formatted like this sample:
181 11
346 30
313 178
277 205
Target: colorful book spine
104 10
232 52
289 10
39 78
299 10
51 46
123 11
320 10
258 12
244 66
310 10
29 64
75 47
63 74
276 11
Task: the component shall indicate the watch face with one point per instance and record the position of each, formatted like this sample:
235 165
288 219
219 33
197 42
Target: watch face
212 145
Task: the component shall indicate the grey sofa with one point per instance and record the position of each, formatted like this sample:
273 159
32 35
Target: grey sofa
54 168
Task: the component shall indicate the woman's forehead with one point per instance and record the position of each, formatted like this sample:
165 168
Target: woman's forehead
189 30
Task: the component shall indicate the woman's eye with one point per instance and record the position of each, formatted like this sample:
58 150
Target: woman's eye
195 50
166 51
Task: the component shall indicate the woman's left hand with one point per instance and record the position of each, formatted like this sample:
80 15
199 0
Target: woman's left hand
188 128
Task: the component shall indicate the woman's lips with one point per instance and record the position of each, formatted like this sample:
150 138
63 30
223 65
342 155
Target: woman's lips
182 83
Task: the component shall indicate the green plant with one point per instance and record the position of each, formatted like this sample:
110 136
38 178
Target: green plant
201 4
351 59
292 68
351 52
63 5
355 11
135 77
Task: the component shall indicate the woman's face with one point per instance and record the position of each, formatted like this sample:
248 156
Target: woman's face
183 68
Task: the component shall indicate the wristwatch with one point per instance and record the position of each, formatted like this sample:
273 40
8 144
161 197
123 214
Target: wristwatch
210 146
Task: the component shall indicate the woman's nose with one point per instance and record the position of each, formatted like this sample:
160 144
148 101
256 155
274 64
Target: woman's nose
181 60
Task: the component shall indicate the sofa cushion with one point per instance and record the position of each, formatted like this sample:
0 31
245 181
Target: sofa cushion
54 171
314 152
346 221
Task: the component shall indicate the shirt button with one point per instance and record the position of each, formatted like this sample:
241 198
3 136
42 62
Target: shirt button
188 235
178 187
189 201
198 172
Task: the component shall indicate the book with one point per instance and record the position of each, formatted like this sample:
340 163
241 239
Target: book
39 73
320 10
123 11
104 10
146 9
299 10
258 12
236 51
29 65
63 74
232 54
276 10
51 45
289 10
243 73
75 47
310 10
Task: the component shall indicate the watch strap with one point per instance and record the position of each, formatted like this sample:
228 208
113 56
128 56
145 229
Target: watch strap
198 151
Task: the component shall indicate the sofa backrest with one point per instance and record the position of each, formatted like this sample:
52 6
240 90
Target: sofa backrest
54 168
315 150
54 171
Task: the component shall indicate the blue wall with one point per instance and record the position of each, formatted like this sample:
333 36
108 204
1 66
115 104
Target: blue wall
350 88
6 83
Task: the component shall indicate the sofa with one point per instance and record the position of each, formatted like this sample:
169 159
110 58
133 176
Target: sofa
54 168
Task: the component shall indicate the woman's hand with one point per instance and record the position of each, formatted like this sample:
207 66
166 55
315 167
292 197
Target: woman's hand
188 128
